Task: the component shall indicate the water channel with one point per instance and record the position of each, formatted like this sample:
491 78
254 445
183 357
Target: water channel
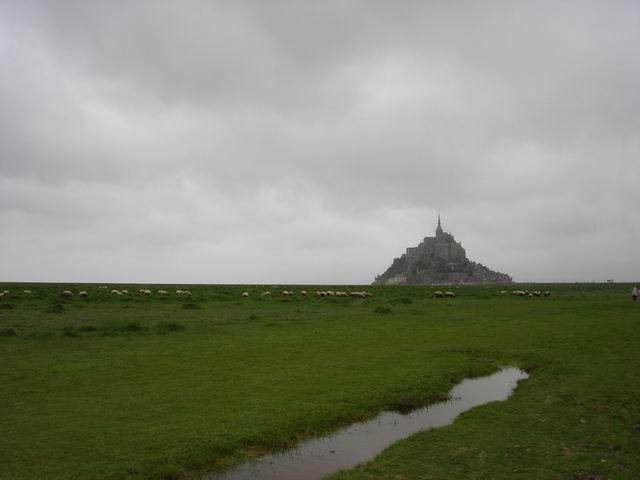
362 441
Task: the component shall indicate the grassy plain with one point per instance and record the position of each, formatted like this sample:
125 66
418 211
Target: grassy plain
160 388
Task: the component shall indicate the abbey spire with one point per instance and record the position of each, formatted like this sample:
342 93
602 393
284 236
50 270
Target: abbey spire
439 230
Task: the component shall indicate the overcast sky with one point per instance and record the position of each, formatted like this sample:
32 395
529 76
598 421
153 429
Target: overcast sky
313 141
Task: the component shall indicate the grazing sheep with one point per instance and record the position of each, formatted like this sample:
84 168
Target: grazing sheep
265 294
2 295
145 291
116 292
438 294
547 293
67 293
303 293
178 292
450 294
503 292
245 294
162 292
357 295
125 292
83 294
27 292
103 287
186 293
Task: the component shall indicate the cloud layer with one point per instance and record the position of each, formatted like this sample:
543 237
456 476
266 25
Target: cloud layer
311 142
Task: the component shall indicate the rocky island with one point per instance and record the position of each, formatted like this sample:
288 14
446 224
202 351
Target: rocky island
438 260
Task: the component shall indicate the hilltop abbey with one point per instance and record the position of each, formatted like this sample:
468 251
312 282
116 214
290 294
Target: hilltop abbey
438 260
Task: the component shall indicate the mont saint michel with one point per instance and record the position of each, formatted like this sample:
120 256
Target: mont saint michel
438 260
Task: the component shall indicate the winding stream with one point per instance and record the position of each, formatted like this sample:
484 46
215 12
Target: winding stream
362 441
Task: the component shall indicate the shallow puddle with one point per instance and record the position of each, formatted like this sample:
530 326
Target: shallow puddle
362 441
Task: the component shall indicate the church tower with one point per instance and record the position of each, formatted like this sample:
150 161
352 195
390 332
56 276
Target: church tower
439 230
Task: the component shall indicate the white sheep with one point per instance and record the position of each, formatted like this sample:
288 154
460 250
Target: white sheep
116 292
83 294
450 294
67 293
438 294
245 294
27 292
125 292
162 292
265 294
303 293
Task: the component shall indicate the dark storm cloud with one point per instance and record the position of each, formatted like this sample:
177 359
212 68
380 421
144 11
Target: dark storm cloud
313 141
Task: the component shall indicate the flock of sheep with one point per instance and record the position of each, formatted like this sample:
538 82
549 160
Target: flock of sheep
286 293
527 293
119 293
325 293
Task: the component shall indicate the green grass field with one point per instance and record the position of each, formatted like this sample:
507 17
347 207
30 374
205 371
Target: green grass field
160 388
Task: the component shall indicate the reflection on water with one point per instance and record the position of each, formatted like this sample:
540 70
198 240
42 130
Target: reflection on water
362 441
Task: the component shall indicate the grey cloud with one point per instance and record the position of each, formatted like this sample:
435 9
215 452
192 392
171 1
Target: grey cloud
314 141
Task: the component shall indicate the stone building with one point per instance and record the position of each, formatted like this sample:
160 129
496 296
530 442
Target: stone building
438 260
